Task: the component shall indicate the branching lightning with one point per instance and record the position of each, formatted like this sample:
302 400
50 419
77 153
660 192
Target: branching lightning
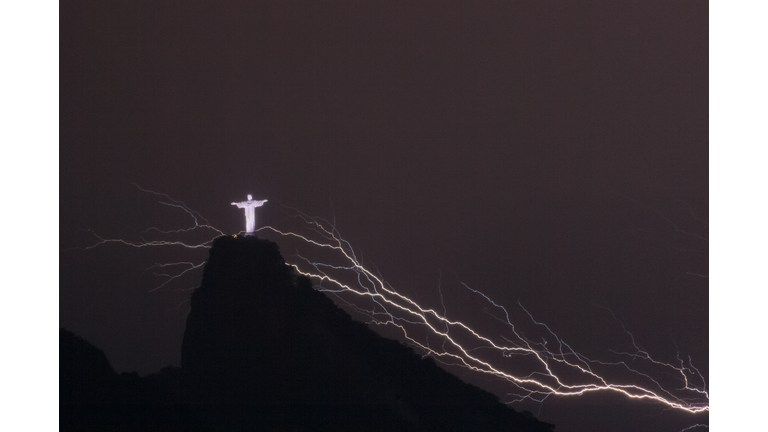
535 368
186 267
558 369
170 277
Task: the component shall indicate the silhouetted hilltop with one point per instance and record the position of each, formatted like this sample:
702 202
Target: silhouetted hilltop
84 371
261 336
263 350
93 397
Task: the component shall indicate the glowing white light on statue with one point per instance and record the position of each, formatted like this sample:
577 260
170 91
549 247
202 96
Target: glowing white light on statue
250 212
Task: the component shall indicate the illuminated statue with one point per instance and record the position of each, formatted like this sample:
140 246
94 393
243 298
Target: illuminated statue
250 213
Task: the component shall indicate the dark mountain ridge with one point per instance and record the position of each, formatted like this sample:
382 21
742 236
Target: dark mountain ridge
263 350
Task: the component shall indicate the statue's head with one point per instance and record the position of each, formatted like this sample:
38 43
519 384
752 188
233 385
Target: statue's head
250 197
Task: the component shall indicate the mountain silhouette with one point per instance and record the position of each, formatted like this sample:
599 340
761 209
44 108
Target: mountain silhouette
263 350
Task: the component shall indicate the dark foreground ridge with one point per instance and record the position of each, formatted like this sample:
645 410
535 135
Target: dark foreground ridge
264 351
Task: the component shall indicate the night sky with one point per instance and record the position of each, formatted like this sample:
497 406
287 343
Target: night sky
549 153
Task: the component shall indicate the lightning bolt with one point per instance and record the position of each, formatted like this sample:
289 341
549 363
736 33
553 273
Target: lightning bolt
557 371
200 224
535 368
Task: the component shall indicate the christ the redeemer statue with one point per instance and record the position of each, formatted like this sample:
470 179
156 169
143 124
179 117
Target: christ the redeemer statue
250 213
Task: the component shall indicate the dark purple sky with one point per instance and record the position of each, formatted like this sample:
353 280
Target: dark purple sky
551 153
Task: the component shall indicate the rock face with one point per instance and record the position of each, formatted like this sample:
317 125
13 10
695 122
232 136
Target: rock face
261 340
238 317
264 351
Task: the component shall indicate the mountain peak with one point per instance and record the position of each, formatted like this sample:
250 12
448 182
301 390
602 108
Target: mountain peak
264 350
259 334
